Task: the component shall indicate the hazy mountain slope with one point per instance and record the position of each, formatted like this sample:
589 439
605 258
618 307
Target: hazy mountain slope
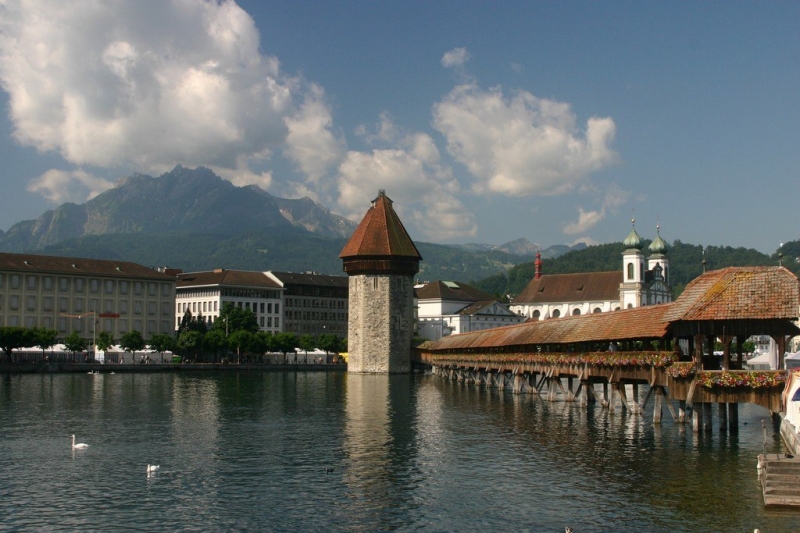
182 200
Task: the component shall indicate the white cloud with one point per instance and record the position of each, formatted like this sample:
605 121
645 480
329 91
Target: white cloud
457 57
412 176
311 143
59 186
521 145
613 199
148 85
586 221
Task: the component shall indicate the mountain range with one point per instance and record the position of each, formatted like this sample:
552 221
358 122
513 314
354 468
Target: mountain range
194 220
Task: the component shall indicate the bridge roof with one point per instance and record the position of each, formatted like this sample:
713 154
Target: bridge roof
631 324
753 294
737 293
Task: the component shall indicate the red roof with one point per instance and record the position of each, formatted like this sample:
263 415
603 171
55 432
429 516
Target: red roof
584 287
753 293
227 278
451 291
71 265
380 234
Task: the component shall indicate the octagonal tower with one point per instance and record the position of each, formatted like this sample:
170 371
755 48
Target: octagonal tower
381 261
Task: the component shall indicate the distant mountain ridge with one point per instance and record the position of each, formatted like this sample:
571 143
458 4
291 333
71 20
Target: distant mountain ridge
180 201
522 247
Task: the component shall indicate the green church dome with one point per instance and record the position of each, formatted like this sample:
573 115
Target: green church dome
659 245
633 240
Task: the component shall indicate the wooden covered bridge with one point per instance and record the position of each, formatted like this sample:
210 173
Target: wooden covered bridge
668 347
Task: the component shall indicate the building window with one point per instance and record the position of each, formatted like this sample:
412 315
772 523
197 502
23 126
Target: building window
556 313
151 289
109 286
47 303
78 285
108 306
94 285
137 287
165 290
577 312
47 281
31 303
151 308
14 281
123 287
630 270
62 304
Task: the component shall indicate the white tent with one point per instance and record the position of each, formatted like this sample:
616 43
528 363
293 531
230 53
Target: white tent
760 362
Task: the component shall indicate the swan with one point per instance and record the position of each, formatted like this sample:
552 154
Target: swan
79 446
152 468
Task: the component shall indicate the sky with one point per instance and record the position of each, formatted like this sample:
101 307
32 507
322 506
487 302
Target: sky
559 122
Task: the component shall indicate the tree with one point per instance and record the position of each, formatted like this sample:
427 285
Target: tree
161 342
262 343
132 342
190 342
329 342
306 343
232 318
213 342
12 338
285 342
104 340
74 342
45 338
240 341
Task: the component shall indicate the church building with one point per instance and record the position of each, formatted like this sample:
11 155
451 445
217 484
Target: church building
641 281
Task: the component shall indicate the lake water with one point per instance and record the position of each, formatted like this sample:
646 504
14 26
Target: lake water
329 451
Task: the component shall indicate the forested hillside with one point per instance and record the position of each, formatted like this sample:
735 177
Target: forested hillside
686 263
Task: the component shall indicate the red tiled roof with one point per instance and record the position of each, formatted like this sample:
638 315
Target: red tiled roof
238 278
380 234
641 323
72 265
754 293
451 291
584 287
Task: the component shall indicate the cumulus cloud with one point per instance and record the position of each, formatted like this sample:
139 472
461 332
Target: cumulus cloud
613 199
457 57
522 144
413 176
151 84
59 186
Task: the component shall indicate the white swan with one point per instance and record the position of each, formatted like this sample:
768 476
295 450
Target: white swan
79 446
152 468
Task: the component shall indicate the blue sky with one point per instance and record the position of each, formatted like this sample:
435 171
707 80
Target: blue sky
483 121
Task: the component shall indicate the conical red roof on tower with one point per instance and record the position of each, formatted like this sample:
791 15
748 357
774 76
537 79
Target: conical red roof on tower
380 243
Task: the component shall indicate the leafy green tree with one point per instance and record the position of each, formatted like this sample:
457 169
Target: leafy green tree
213 342
285 342
233 318
240 340
75 343
104 340
161 342
132 342
12 338
328 342
262 343
45 338
190 342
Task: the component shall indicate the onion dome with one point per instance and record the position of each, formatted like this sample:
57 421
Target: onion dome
633 240
659 245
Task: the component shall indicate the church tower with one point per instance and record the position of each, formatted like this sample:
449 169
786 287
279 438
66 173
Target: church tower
381 261
630 290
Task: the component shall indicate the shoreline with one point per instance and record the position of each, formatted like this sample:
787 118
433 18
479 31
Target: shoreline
86 368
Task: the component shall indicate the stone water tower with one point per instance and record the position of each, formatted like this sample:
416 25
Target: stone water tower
381 261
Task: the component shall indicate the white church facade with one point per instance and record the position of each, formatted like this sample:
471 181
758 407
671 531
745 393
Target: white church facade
641 281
